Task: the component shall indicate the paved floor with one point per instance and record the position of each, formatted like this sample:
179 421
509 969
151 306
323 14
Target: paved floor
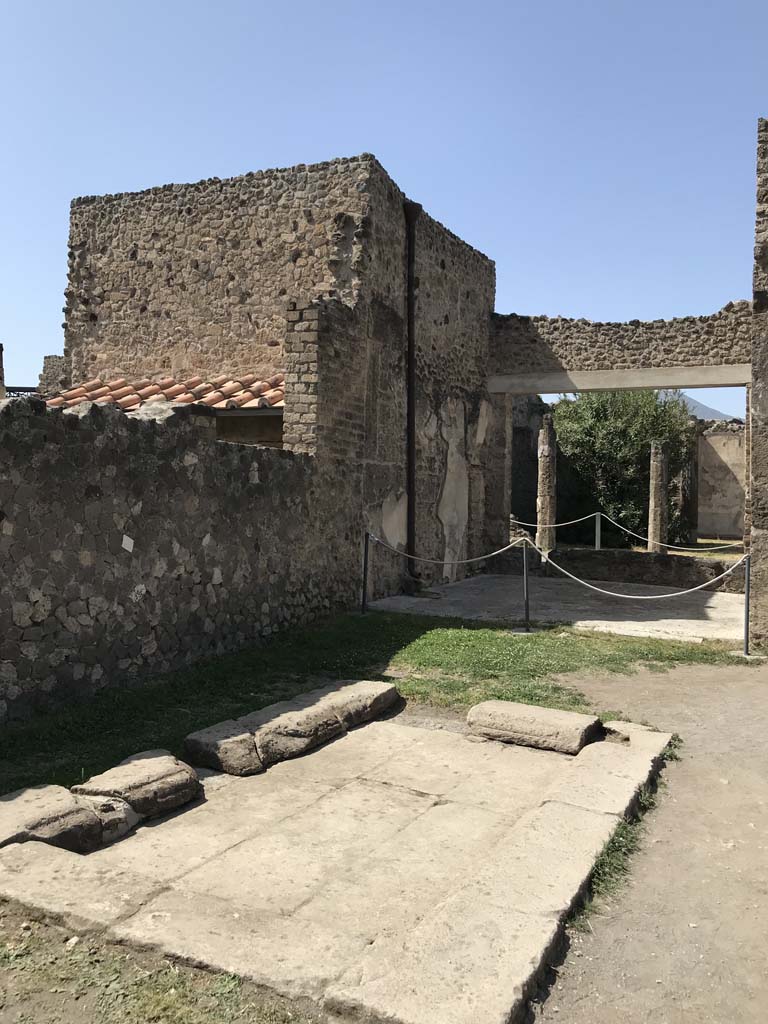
703 614
408 874
685 941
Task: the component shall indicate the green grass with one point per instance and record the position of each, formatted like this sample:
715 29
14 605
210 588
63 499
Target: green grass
98 981
613 865
445 662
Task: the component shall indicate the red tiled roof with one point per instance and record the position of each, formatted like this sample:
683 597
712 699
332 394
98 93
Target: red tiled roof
247 392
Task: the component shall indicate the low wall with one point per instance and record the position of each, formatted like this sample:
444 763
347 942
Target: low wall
130 546
618 565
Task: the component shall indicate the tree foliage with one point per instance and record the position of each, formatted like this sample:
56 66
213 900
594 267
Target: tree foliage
606 437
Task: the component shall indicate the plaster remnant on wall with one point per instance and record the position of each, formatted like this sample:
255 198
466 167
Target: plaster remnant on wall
394 512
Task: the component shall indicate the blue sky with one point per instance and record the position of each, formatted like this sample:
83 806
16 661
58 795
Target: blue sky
601 152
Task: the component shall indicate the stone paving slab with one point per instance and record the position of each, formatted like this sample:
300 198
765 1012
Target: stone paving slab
279 871
172 848
469 962
376 875
83 892
608 777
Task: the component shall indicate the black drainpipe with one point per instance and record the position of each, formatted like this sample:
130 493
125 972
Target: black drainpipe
412 211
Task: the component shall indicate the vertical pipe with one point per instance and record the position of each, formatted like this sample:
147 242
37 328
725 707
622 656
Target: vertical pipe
411 211
747 567
526 603
364 596
598 524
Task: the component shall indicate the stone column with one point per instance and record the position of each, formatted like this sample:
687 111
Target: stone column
546 497
658 500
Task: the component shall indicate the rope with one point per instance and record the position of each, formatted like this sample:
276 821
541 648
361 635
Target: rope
677 547
551 526
641 597
576 579
445 561
570 522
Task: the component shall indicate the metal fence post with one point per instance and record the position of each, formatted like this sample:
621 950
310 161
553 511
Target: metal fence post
747 567
526 605
364 596
598 524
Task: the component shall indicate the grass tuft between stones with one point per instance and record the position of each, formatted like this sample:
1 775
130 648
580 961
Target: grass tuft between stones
614 863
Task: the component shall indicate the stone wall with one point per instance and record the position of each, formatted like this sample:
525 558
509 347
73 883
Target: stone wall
556 343
55 376
187 279
456 424
2 374
130 546
759 403
721 476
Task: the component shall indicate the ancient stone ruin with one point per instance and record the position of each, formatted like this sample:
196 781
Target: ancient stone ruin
150 516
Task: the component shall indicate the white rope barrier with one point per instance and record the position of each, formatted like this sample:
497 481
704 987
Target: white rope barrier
646 540
551 526
677 547
447 561
545 558
641 597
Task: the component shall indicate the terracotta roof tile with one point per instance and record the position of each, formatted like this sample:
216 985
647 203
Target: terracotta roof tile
248 391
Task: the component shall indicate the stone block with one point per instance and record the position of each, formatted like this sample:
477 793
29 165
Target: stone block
290 728
531 726
355 702
226 747
117 817
153 782
49 814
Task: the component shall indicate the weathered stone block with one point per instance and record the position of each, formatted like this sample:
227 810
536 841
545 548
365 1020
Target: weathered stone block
354 702
153 782
51 815
289 729
531 726
117 817
226 747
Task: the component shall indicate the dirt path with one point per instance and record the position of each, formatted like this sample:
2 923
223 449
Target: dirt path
685 941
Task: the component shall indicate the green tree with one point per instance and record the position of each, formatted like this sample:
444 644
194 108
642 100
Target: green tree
606 437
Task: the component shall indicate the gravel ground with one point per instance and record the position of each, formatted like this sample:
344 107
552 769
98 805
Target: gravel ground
684 942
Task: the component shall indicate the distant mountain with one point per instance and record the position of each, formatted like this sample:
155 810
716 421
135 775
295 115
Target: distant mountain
701 411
